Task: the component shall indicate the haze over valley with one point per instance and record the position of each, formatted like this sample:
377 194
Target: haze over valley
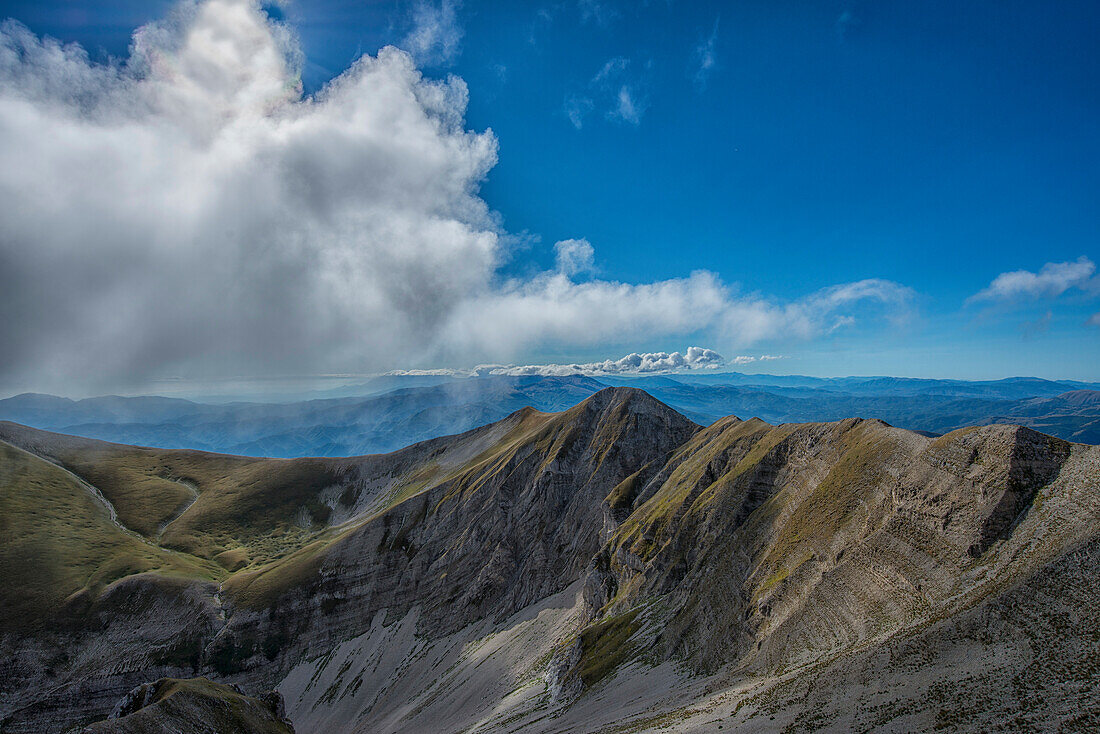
397 416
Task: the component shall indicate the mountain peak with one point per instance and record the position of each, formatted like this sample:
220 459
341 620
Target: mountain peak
630 398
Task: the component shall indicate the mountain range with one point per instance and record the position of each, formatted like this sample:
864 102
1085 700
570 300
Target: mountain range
393 411
613 566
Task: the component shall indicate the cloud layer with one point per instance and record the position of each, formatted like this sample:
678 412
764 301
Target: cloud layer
632 364
190 212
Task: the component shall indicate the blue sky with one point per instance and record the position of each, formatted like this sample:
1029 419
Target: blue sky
786 147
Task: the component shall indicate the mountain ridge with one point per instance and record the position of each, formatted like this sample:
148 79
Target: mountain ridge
635 539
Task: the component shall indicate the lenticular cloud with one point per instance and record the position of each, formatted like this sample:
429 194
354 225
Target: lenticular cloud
191 212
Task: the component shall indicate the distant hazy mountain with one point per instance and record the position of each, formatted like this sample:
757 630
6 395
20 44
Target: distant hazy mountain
400 410
1071 415
323 427
1012 387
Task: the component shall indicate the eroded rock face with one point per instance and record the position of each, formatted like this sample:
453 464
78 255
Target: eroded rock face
509 530
1020 660
742 547
972 485
773 546
143 626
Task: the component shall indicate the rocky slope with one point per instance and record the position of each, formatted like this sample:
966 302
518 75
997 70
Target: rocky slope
612 565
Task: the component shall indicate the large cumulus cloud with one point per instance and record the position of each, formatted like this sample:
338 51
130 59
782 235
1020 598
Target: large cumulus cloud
191 209
190 212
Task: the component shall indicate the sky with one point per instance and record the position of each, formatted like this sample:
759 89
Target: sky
221 188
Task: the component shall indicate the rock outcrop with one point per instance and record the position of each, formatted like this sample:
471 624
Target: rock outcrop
195 706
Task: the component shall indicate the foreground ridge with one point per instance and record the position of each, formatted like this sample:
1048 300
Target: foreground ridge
613 564
195 704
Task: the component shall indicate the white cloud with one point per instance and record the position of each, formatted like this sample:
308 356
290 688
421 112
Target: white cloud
436 36
611 70
543 19
574 256
1052 280
706 58
598 12
842 322
1093 320
552 309
747 359
619 94
632 364
191 213
628 108
577 108
627 101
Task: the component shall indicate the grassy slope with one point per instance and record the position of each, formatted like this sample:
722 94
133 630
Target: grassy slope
715 467
59 540
246 517
247 508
